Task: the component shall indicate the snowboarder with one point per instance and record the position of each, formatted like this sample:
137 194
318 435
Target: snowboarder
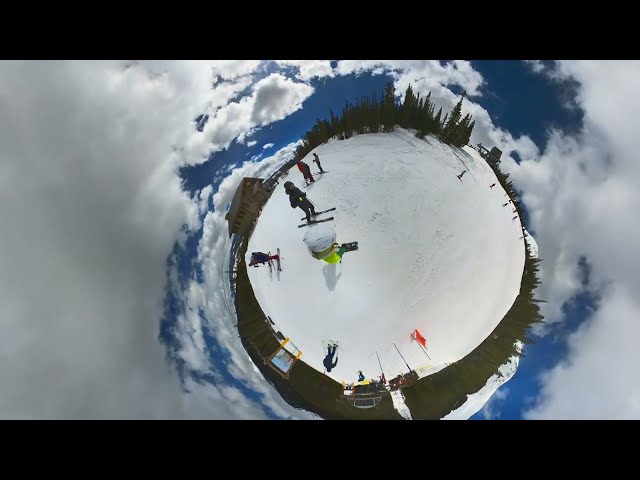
321 241
492 185
299 199
260 257
317 162
360 376
331 350
460 176
306 172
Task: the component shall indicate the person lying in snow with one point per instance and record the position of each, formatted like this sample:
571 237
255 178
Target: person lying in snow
321 241
259 257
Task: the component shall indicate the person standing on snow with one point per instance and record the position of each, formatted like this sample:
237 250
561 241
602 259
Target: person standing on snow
299 199
317 162
306 172
328 359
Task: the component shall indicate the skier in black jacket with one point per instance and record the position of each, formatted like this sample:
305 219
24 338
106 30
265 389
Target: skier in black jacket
328 361
299 199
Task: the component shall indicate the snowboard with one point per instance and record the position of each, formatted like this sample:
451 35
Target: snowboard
320 213
279 258
320 173
351 246
313 222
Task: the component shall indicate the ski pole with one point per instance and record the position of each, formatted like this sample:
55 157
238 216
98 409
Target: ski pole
405 362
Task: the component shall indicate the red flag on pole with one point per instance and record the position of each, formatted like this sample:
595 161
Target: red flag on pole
417 336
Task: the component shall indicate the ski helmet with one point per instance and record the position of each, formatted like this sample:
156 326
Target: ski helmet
288 185
319 238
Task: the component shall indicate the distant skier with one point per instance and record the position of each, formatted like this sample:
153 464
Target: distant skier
299 199
327 362
505 204
260 257
321 241
460 176
317 162
492 185
306 172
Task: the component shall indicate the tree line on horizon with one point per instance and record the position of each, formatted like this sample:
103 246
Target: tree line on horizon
368 115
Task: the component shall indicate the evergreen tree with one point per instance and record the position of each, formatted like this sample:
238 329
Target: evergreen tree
374 114
388 108
467 136
407 108
441 126
334 123
449 130
437 122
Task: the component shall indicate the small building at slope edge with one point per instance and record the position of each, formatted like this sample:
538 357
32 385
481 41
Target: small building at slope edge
250 196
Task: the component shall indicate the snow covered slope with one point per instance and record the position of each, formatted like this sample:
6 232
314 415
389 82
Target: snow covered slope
435 253
531 241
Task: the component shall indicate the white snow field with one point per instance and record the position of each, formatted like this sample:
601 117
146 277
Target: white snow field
435 253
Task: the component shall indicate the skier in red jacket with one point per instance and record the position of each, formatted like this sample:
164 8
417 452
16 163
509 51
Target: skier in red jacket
306 172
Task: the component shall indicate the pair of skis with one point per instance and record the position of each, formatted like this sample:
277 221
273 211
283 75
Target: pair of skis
312 222
279 266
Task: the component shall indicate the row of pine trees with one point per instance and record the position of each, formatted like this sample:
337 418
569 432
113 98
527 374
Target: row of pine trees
369 115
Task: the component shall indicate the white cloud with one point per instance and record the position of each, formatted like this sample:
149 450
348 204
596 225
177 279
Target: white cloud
276 97
308 69
90 206
205 195
430 74
491 409
536 65
251 143
599 379
233 69
267 145
581 193
272 98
